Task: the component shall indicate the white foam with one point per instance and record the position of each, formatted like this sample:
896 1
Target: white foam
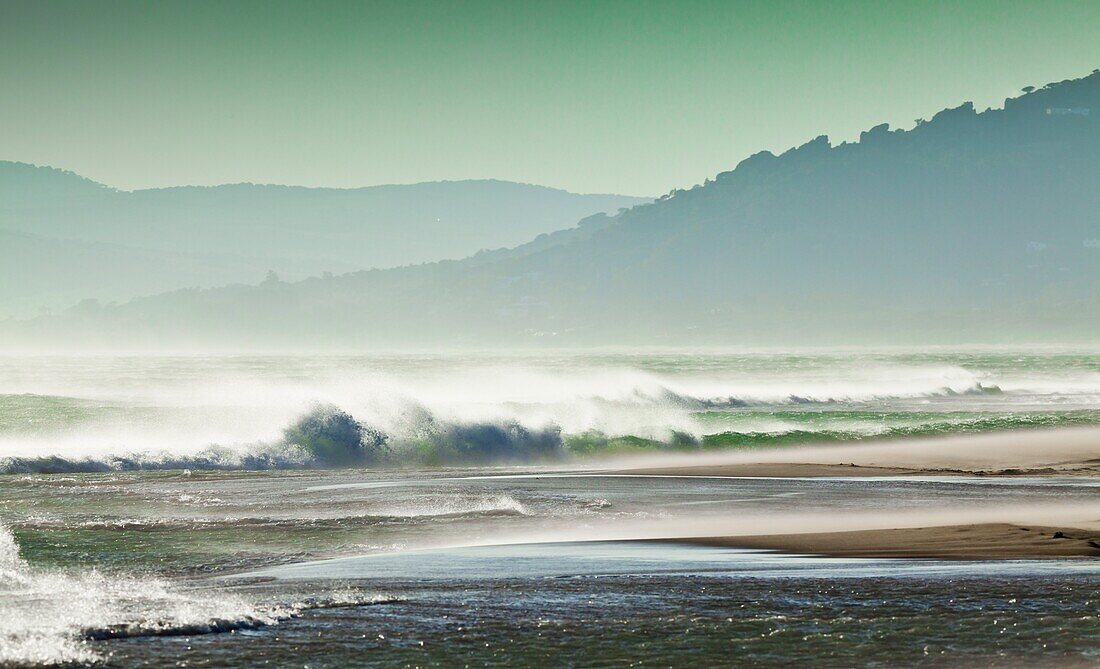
49 617
182 406
455 505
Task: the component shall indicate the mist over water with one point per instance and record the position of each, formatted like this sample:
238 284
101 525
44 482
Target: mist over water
223 567
402 515
518 487
52 615
93 414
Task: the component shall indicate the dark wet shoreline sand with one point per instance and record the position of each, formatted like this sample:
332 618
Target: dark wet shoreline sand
985 541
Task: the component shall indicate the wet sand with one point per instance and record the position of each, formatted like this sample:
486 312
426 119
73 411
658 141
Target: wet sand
813 469
961 542
1038 452
782 470
1071 452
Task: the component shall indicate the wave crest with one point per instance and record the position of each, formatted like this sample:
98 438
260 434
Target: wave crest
50 615
583 417
328 437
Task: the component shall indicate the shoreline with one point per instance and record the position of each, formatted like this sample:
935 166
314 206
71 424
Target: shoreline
1059 452
977 541
1012 453
842 470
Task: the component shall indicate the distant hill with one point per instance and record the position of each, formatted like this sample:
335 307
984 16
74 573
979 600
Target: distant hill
90 241
970 227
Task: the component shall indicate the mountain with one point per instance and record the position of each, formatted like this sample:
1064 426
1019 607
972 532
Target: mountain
42 274
64 238
969 227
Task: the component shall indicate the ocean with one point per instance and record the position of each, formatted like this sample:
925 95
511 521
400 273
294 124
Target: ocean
453 510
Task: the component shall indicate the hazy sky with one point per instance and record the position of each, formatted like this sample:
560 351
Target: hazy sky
627 97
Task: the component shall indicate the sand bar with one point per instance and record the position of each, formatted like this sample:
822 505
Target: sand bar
1034 452
960 542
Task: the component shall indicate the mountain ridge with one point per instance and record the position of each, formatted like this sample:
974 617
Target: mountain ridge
12 166
971 226
212 235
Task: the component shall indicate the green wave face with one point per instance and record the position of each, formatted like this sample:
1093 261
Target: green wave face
893 425
824 428
308 412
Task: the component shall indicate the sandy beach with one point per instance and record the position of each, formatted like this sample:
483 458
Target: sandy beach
1037 452
957 542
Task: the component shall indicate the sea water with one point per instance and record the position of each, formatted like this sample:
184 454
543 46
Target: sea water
125 542
104 413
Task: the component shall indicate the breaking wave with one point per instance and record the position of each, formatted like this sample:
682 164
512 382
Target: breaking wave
510 444
432 508
52 616
731 402
122 415
328 437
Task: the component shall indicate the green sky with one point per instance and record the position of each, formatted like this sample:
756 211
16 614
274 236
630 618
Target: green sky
628 97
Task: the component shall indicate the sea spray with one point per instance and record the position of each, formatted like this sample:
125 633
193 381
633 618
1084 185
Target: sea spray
203 413
12 566
450 444
332 437
53 617
327 437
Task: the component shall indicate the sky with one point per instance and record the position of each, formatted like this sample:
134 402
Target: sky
635 98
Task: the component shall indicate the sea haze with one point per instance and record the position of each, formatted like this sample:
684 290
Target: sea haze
835 405
438 567
240 412
973 226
